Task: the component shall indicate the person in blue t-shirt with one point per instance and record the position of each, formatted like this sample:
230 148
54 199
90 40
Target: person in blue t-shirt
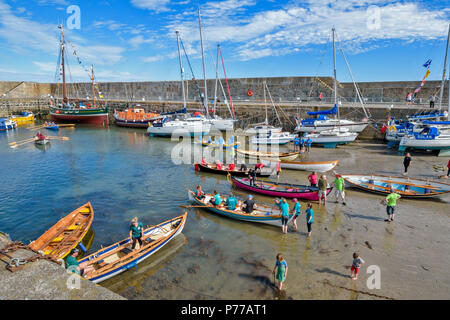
284 207
309 217
308 143
281 269
296 211
231 203
216 200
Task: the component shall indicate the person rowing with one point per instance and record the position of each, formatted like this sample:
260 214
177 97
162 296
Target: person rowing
249 205
231 203
216 200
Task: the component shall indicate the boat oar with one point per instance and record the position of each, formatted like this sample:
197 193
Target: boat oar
58 138
66 125
21 144
20 141
193 206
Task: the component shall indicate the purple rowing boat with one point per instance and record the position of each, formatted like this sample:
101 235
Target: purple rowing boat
278 189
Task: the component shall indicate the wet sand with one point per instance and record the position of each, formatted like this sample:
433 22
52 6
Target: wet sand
219 258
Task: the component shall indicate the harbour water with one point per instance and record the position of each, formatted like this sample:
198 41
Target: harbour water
124 174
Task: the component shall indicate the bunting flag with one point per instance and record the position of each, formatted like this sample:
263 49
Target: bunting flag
427 64
422 83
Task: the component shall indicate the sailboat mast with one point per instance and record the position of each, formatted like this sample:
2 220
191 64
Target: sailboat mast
181 68
93 86
217 78
265 102
63 65
334 68
445 68
203 61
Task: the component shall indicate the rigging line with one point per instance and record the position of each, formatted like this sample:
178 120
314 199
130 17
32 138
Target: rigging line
368 115
192 71
317 70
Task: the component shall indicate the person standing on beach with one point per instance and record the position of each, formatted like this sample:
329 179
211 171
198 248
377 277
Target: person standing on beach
281 269
357 262
278 170
391 202
284 207
406 162
308 144
296 212
309 217
448 169
323 186
339 191
313 179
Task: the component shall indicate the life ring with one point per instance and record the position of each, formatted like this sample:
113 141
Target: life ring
250 93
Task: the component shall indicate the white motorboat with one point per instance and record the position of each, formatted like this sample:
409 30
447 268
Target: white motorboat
179 127
332 138
270 137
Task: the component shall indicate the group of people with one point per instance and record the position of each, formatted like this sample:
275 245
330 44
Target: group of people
281 268
323 185
302 144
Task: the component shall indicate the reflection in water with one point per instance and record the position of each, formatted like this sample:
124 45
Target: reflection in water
135 276
389 237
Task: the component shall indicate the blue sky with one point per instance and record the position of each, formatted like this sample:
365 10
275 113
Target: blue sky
134 40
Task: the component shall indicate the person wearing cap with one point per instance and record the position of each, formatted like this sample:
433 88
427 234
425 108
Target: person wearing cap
296 211
249 205
80 269
136 232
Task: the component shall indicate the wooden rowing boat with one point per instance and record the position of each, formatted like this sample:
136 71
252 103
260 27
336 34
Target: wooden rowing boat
42 141
66 234
119 257
323 166
212 168
283 156
278 189
217 145
53 128
263 214
405 186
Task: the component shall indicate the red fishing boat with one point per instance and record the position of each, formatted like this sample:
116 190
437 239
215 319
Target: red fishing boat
94 111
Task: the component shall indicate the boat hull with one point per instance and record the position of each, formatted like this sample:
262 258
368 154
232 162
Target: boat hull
274 220
276 157
305 166
237 173
140 256
308 193
406 187
353 127
86 116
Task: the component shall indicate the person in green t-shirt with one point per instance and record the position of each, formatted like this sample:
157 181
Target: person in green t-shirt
391 202
231 203
136 232
72 264
339 192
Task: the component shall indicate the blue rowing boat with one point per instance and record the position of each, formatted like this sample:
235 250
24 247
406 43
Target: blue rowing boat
53 128
404 186
119 257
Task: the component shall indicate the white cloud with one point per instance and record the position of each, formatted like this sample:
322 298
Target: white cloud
153 5
153 58
300 24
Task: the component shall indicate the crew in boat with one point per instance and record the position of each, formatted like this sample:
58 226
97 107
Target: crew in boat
204 162
259 166
216 200
219 165
252 176
243 167
40 136
249 205
231 167
231 203
199 193
136 233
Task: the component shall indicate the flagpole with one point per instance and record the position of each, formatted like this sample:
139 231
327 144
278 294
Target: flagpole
445 69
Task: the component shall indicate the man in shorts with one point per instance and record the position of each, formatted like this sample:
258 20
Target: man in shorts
339 188
391 202
323 186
